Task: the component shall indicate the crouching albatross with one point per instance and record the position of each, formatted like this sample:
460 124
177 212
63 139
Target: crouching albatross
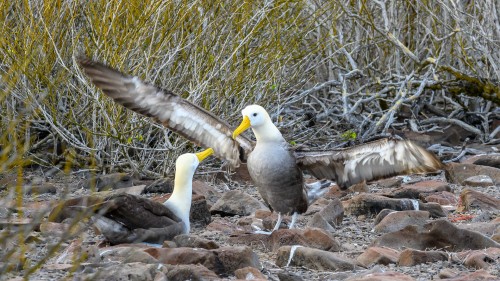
274 168
126 218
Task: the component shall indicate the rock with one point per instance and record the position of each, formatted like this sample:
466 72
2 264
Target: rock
224 227
478 181
492 160
109 182
224 260
163 185
488 229
60 229
378 255
318 221
269 222
359 187
20 223
236 202
333 213
474 276
420 189
126 254
435 210
372 204
381 276
42 188
411 257
393 182
193 272
249 273
309 237
442 198
480 258
78 251
470 199
313 259
438 234
289 276
395 221
202 188
381 215
130 271
199 213
193 241
447 273
458 173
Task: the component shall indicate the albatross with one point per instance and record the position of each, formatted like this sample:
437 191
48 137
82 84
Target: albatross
273 166
276 169
126 218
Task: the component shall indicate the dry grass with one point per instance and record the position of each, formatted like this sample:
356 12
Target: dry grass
355 61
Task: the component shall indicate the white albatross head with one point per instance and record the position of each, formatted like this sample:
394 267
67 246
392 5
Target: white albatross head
257 118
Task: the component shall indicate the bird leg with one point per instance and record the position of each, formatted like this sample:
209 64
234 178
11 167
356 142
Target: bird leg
278 223
294 219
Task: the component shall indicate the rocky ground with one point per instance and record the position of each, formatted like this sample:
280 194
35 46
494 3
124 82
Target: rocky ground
442 226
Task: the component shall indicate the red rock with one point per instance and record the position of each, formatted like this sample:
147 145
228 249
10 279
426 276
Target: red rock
226 228
378 255
317 206
442 198
382 276
371 204
313 259
478 181
395 221
54 228
190 272
393 182
224 260
470 199
262 213
411 257
492 160
458 173
193 241
475 276
438 234
420 189
202 188
249 273
236 202
309 237
125 253
480 258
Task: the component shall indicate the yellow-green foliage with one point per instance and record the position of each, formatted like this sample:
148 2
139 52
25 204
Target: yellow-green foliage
221 55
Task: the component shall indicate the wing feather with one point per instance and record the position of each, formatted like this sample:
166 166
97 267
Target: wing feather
379 159
179 115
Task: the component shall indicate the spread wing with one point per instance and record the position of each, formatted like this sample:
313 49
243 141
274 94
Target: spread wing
179 115
379 159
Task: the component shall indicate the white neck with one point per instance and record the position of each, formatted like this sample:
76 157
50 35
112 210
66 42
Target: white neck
267 132
180 200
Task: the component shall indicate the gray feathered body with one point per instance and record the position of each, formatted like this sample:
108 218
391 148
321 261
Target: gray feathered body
278 179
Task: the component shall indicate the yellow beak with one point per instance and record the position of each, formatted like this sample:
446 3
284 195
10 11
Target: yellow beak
204 154
245 124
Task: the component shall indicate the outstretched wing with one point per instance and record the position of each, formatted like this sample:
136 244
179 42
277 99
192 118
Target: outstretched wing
179 115
379 159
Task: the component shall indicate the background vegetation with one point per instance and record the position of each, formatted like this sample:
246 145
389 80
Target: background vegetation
328 72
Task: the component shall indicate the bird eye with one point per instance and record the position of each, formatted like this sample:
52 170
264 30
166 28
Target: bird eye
255 114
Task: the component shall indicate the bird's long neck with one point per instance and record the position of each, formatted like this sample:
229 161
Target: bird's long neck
180 200
267 132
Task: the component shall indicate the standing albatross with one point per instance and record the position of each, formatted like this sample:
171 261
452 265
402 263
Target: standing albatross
126 218
282 188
